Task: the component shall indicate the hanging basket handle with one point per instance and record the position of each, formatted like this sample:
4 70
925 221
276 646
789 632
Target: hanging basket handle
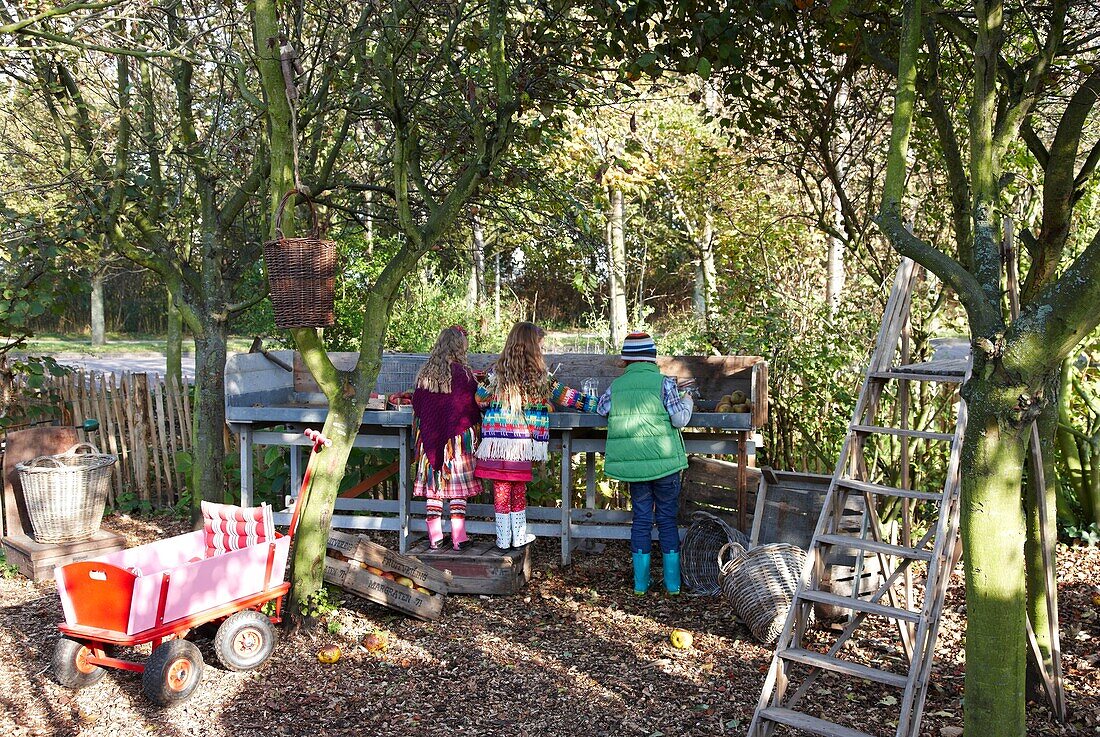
315 231
40 462
79 447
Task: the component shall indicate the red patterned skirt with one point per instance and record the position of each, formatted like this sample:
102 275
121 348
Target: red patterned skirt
455 480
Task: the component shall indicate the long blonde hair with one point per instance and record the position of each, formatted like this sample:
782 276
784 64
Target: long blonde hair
521 369
450 347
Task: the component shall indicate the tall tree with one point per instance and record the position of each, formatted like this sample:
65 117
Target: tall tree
450 82
1015 378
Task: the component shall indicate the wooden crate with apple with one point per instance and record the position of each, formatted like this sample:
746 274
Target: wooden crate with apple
385 577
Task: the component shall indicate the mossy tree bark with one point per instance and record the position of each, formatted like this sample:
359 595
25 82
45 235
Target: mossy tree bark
1016 362
424 214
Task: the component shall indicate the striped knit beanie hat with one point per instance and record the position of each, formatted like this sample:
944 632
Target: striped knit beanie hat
639 347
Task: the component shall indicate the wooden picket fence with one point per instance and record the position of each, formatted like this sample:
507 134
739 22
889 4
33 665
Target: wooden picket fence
144 421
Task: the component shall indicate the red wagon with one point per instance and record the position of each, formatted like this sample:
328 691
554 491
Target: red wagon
159 592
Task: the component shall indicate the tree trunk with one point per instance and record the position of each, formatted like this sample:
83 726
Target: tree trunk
99 325
993 529
706 273
1078 470
475 285
208 469
311 537
173 348
616 269
496 288
834 284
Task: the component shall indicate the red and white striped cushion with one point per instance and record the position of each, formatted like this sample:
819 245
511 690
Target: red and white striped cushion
227 527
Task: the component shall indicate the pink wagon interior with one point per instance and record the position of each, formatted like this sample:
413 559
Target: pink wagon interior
237 554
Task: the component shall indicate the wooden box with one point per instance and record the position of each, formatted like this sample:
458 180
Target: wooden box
710 485
373 571
481 568
790 504
37 560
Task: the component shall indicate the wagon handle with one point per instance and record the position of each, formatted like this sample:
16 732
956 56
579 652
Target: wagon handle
315 230
320 442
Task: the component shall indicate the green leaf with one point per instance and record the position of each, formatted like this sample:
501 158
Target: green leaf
703 70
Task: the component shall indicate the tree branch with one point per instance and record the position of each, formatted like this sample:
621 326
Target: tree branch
1059 187
890 218
19 25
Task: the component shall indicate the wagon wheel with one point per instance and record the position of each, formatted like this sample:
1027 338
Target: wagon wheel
172 672
244 641
70 664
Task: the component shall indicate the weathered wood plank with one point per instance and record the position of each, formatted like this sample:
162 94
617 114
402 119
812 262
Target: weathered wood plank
481 569
349 576
109 443
358 548
714 376
164 441
37 560
716 472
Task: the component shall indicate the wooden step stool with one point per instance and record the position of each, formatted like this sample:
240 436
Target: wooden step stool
482 568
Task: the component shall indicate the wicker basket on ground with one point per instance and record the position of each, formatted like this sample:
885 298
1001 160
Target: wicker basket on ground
301 273
759 585
699 551
66 493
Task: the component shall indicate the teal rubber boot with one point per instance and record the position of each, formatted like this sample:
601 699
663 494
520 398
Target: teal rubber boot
641 573
672 572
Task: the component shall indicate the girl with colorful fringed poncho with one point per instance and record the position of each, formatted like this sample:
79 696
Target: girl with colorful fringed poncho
446 416
515 427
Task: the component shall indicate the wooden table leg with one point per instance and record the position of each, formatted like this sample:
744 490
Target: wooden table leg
403 492
742 480
566 496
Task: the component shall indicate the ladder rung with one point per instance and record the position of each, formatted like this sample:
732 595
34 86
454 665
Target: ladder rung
902 432
835 665
873 546
948 378
798 720
870 488
861 605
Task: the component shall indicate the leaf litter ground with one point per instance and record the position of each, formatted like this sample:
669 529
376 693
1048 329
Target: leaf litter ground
575 653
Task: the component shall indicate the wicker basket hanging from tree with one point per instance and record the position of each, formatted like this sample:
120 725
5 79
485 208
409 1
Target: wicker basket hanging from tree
301 273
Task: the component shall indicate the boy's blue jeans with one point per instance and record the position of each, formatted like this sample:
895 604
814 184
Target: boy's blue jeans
658 498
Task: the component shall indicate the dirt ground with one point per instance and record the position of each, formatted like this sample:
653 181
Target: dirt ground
576 653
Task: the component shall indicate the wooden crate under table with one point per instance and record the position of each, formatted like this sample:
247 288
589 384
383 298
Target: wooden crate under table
482 568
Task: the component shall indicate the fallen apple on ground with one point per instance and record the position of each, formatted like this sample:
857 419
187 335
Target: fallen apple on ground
374 642
680 639
329 654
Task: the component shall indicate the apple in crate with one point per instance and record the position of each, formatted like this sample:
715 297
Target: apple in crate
405 581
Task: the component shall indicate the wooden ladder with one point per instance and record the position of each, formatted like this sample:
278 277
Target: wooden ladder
917 622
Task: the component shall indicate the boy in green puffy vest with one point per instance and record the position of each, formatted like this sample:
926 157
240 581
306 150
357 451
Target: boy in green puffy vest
644 412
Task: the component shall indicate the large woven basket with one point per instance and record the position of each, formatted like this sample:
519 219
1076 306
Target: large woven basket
699 551
301 273
759 585
66 493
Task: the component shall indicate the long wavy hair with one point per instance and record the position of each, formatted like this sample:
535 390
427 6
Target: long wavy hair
521 369
450 347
